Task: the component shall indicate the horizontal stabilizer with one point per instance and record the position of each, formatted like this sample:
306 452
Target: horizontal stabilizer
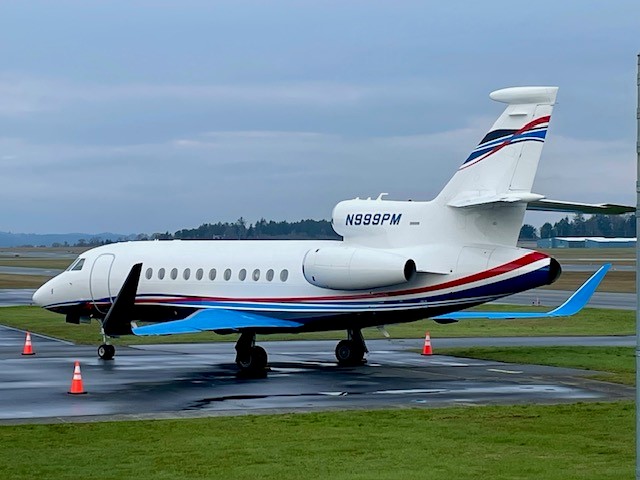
472 199
213 320
573 305
544 205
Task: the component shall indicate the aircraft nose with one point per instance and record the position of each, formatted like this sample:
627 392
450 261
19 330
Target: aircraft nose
41 295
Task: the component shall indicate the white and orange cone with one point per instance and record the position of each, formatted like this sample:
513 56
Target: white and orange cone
426 349
28 348
76 382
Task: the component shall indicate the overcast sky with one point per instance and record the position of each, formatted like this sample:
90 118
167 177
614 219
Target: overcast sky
159 115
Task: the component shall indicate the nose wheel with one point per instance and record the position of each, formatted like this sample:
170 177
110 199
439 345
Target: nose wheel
106 351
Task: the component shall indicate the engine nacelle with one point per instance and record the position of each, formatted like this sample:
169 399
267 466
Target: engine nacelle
354 268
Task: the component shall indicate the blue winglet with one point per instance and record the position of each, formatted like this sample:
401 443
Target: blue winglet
212 320
571 306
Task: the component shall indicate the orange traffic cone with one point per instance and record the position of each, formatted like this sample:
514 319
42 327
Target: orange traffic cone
76 382
427 350
28 348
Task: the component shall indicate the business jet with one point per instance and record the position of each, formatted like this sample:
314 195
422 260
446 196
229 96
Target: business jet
398 261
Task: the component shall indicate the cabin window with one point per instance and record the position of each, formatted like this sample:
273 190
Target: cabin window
212 274
256 275
186 274
270 274
284 275
174 273
161 273
149 273
242 274
199 274
227 274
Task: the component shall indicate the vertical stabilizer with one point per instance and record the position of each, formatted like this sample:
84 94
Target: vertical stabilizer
506 159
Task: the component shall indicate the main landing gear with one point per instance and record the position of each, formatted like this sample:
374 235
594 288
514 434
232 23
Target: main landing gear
351 352
250 358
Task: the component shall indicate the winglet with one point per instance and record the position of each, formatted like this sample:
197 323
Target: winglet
581 297
571 306
119 317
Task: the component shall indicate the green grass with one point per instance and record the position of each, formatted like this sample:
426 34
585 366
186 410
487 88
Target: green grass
586 441
587 322
618 361
30 262
8 280
615 281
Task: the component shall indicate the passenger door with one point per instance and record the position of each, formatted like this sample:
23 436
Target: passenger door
99 283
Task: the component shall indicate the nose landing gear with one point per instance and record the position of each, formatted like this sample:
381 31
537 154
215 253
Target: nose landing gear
106 351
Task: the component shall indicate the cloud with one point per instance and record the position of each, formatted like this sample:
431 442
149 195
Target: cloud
587 170
21 95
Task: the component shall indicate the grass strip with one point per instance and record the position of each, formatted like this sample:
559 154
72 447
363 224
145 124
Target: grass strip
588 322
28 262
587 441
9 280
622 281
619 362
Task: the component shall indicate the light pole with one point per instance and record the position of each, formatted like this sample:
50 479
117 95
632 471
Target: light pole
638 282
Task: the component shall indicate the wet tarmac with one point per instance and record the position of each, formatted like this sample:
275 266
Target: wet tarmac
183 380
10 297
553 298
47 272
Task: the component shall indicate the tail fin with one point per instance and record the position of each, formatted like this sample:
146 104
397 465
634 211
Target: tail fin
503 166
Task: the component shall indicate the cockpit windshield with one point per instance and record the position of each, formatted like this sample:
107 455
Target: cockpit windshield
76 266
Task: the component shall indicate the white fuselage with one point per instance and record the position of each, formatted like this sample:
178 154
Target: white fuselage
267 277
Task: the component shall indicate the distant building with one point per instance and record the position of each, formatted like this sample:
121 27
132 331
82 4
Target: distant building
586 242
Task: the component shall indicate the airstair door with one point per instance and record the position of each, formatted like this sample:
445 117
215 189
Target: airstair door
99 283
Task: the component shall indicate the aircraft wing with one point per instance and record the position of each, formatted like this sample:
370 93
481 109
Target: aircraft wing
573 305
213 320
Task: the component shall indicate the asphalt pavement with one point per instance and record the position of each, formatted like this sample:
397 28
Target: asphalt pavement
186 380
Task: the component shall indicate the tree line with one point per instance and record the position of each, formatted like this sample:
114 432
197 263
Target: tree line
578 226
260 230
595 226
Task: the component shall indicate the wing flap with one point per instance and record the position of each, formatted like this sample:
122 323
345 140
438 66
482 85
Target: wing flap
571 306
213 320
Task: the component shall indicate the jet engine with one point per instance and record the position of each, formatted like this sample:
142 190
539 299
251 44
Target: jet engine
356 268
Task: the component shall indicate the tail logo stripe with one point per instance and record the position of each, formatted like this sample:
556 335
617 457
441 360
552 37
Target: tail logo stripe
536 130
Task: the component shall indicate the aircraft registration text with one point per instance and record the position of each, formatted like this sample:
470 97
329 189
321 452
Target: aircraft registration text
373 219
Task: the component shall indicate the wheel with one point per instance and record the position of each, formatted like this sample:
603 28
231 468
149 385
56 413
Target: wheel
106 352
349 353
255 360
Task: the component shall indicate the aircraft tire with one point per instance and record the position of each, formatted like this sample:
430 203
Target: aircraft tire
255 360
348 353
106 352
